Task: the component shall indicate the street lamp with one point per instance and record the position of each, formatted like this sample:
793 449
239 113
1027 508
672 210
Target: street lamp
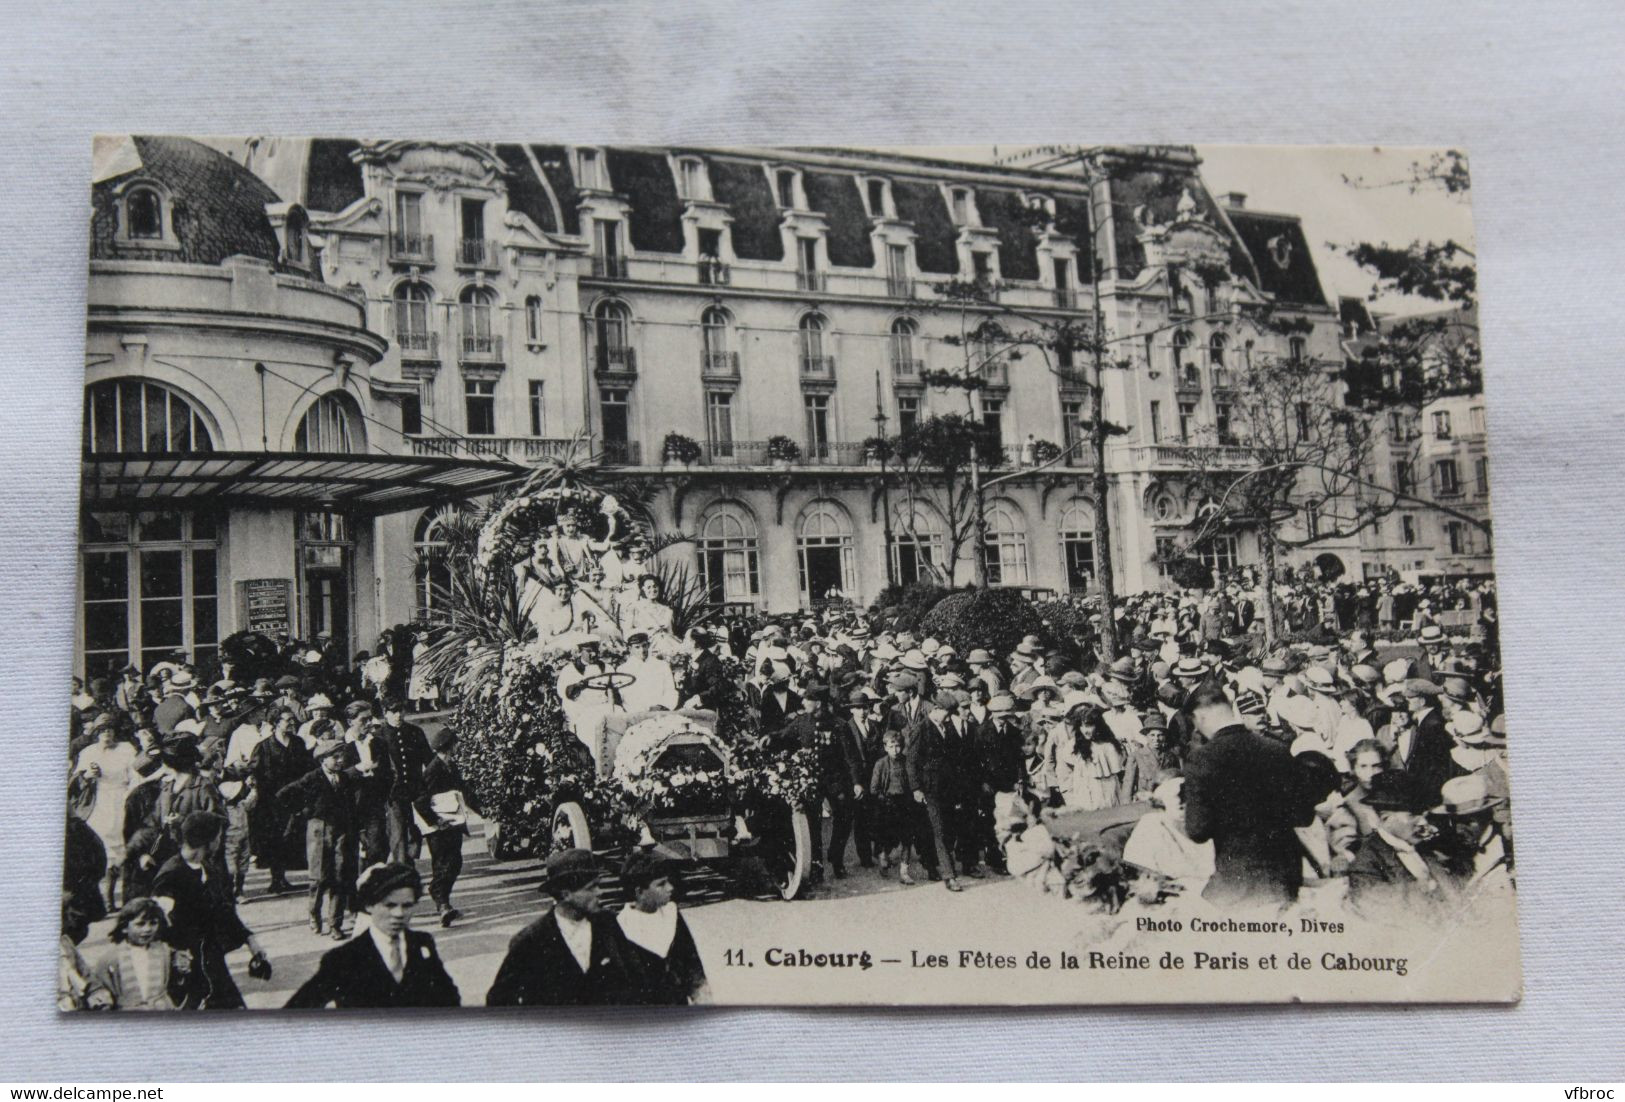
885 490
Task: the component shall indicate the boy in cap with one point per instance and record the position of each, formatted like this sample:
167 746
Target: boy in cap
575 954
325 798
665 963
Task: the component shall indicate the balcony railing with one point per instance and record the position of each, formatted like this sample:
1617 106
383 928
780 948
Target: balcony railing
996 373
832 454
817 367
507 447
416 248
1066 298
1072 377
621 453
1223 379
418 346
616 359
1188 380
901 287
713 272
609 267
907 370
811 281
481 348
1187 456
476 252
754 453
719 365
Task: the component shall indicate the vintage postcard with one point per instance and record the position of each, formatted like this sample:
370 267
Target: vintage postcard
524 574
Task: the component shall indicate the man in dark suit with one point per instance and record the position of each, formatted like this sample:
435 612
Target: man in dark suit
409 756
325 799
862 730
780 704
575 954
969 831
1244 793
707 681
931 773
391 964
1423 750
1396 876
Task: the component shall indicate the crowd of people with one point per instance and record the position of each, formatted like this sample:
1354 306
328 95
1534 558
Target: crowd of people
1364 758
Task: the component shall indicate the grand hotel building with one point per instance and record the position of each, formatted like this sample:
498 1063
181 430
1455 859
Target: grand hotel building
362 334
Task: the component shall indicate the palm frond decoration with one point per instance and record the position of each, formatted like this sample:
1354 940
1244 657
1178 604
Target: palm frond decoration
686 595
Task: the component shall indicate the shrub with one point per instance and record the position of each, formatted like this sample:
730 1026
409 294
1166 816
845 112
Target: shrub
900 608
782 447
992 618
1044 451
680 449
1189 573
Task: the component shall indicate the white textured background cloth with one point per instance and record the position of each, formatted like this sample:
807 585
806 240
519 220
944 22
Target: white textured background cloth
1533 91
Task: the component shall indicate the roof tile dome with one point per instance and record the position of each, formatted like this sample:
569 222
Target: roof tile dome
215 206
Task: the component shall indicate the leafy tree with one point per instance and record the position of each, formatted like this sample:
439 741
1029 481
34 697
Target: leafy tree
939 461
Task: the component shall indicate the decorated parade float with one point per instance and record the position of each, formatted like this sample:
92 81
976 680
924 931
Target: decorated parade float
540 594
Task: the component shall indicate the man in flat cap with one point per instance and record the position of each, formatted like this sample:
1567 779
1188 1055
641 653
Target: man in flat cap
575 954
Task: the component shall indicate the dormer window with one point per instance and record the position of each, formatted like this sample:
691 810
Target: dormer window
691 183
144 217
296 246
1042 208
959 199
784 188
589 170
144 214
878 194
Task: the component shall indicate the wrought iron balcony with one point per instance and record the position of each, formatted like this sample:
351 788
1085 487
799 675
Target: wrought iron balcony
817 367
411 248
719 365
907 370
1066 298
901 287
811 281
621 453
480 348
417 345
609 267
832 454
476 252
507 447
1189 456
713 272
616 359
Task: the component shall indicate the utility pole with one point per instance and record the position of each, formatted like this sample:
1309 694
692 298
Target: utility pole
1105 583
885 487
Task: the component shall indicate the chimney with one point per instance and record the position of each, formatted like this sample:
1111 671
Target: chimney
1237 199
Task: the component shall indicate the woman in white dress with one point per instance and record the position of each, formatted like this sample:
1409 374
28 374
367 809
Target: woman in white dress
420 687
109 764
1088 761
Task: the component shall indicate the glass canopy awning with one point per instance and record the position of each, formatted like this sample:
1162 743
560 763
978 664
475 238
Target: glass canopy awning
366 485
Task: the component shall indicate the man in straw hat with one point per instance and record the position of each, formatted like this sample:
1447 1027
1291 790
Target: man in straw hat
575 954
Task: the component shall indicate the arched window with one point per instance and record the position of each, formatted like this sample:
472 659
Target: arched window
412 306
1216 345
431 571
714 336
479 335
904 363
533 319
824 551
727 553
812 329
917 546
612 325
332 425
143 214
1184 370
130 415
1077 530
1004 554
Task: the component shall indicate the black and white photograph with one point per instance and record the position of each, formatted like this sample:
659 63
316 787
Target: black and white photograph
524 573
